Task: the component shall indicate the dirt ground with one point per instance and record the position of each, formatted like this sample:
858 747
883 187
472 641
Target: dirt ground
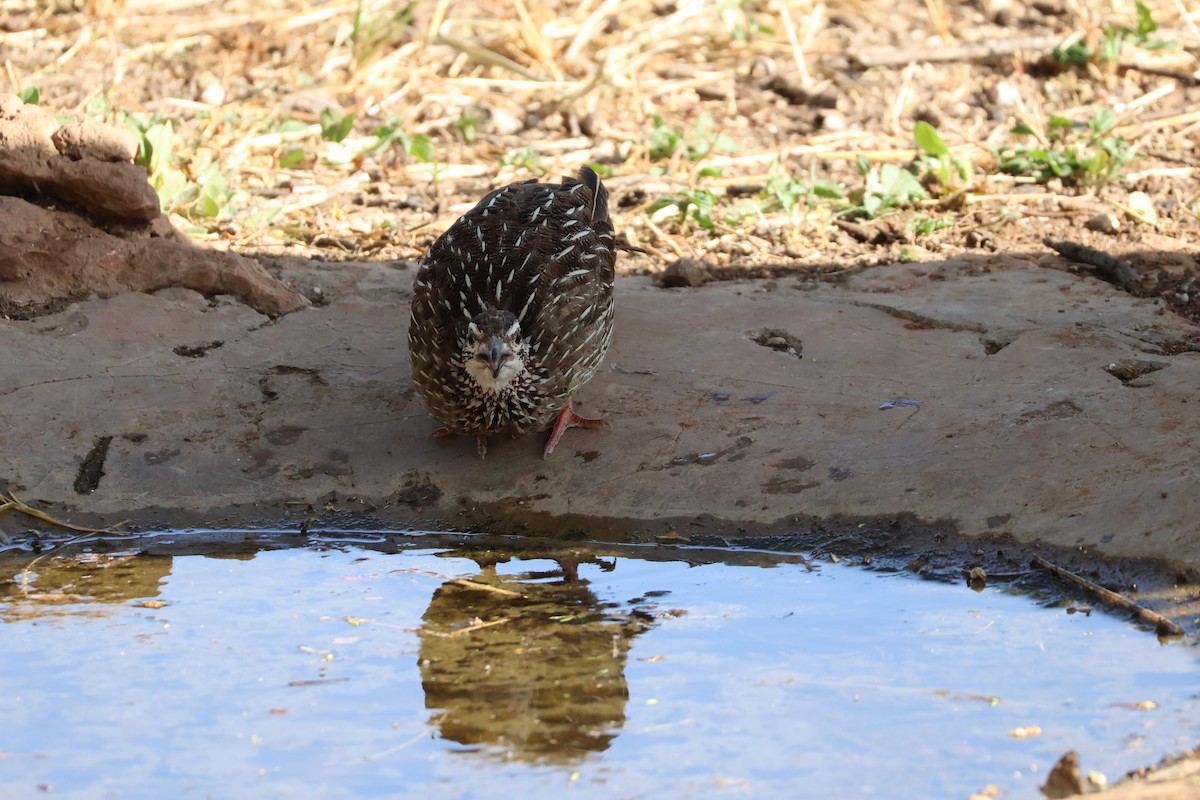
747 106
323 144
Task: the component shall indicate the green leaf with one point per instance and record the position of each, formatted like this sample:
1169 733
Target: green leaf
663 141
1077 55
292 157
660 204
704 201
158 140
828 190
1146 24
97 106
214 196
170 185
1056 123
30 95
291 126
1103 121
1110 48
335 126
420 147
900 183
1143 206
929 140
925 226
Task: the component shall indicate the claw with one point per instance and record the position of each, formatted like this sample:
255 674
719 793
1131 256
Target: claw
567 418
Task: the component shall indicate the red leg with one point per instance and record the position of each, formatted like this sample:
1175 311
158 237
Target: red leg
567 418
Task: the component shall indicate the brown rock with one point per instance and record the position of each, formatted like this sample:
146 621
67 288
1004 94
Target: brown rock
87 164
685 272
48 258
1065 779
115 191
88 139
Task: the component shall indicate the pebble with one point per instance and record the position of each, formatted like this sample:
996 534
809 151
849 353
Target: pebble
1104 223
685 272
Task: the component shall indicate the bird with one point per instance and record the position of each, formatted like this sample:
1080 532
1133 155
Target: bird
512 311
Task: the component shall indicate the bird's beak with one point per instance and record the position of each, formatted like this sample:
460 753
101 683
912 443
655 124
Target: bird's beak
495 355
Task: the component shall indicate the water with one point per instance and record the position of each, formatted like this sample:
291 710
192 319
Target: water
360 669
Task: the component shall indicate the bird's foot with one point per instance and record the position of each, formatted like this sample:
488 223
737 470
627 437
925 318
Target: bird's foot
441 433
567 418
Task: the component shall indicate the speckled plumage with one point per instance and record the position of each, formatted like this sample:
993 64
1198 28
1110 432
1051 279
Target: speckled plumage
512 308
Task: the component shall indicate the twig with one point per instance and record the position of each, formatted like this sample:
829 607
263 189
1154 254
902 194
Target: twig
489 57
11 502
1164 626
480 626
797 51
1109 267
483 587
976 51
1187 79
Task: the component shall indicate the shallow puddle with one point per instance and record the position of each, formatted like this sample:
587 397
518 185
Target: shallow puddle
399 667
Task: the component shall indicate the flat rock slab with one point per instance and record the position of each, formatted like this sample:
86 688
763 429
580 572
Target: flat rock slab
1020 401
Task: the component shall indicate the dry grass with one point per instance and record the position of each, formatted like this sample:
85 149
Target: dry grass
509 90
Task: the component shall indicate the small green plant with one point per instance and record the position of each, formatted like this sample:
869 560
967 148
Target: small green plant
1115 36
156 140
699 202
740 20
664 140
938 169
30 95
890 188
1077 55
923 226
523 158
468 127
1077 154
1080 54
292 157
335 125
205 193
784 192
391 135
373 29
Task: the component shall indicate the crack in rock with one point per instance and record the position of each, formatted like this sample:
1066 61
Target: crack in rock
92 467
779 339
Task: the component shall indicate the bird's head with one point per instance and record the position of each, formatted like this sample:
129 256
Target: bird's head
494 350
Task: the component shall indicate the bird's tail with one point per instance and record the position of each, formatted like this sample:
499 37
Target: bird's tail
589 178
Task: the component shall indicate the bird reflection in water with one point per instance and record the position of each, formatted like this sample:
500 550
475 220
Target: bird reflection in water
527 667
